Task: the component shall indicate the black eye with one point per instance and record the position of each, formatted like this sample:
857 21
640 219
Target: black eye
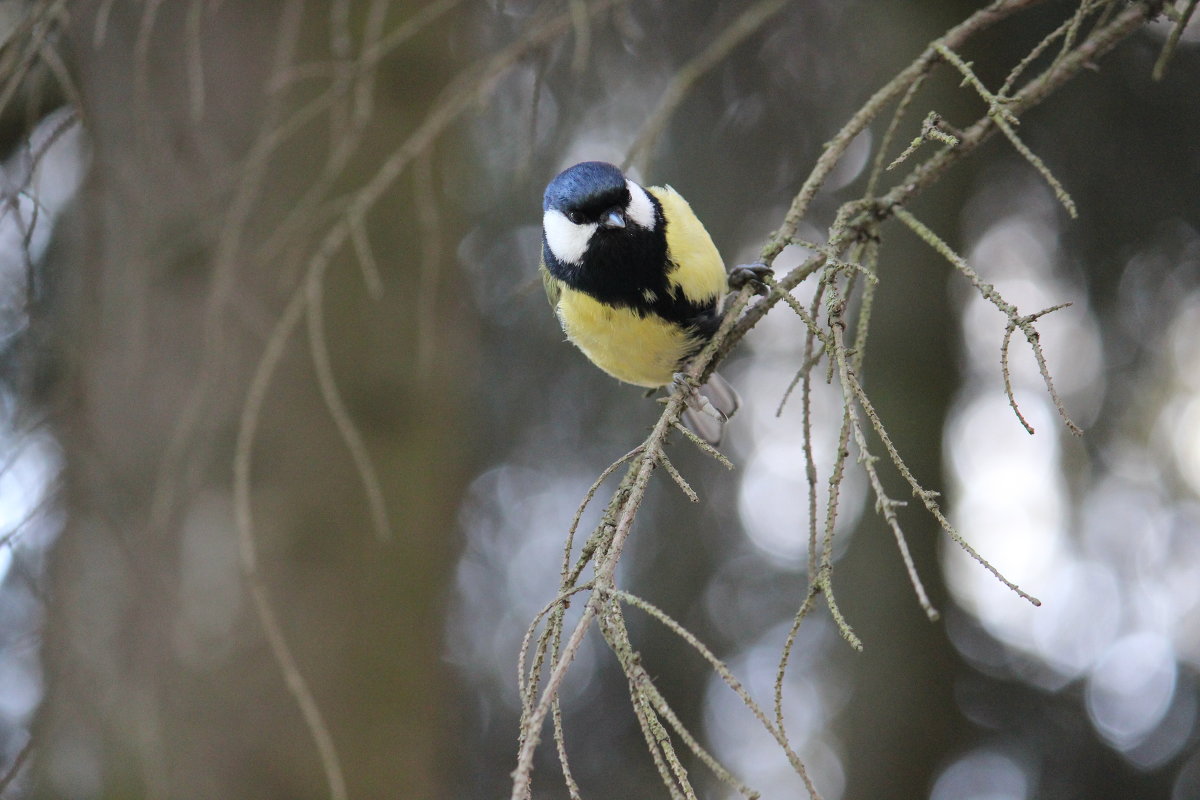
575 217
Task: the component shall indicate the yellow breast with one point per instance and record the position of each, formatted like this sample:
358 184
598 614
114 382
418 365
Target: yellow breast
644 351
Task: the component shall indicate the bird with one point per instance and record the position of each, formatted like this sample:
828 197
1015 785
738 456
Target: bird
637 284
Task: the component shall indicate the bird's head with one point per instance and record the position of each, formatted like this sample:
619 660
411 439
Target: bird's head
592 199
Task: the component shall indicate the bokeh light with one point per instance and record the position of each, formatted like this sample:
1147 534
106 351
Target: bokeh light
1097 533
983 774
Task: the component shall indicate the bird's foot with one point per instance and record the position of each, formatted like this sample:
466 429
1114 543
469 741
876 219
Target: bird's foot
694 399
753 275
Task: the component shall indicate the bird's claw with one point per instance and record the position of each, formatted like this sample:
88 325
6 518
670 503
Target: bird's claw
694 399
753 275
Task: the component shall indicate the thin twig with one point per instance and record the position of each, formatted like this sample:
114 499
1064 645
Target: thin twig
282 652
704 446
680 481
1160 66
684 78
927 497
645 691
723 671
897 87
931 131
555 605
1015 319
318 348
788 644
1005 120
591 493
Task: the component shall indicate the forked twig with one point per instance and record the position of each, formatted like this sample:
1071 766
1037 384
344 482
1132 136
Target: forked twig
1015 319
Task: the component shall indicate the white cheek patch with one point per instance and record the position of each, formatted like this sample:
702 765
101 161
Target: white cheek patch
568 241
640 210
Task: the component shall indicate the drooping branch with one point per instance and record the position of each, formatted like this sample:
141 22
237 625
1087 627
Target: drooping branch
857 225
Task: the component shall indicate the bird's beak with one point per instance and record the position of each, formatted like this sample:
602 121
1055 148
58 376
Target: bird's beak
613 219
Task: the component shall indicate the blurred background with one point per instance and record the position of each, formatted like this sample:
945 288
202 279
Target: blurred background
270 327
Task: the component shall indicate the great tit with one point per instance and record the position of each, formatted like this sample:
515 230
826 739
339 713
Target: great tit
635 281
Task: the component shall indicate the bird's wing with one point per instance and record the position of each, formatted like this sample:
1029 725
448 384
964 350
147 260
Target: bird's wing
700 272
550 284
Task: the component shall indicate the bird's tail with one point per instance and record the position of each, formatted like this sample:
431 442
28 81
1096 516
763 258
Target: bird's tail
709 408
